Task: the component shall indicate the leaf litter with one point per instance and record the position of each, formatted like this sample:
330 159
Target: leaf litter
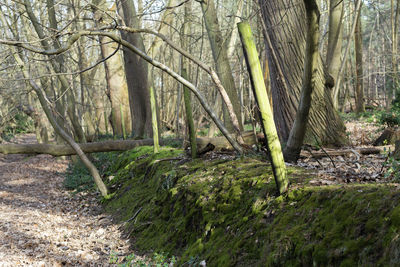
41 224
352 167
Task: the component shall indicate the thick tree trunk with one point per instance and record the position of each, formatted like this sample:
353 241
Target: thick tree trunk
136 70
285 21
394 27
298 131
117 87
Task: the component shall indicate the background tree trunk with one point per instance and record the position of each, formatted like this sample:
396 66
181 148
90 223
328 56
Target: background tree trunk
285 21
219 50
115 74
297 133
136 70
360 105
334 52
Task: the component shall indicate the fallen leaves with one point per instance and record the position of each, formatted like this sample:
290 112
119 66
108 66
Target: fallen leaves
352 167
43 225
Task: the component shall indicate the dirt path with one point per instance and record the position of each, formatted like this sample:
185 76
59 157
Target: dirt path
42 225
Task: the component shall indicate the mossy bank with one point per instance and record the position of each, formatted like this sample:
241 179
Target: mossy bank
225 212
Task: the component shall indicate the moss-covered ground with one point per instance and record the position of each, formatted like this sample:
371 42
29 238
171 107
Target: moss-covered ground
226 212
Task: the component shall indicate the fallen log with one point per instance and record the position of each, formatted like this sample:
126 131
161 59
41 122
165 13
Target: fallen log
344 152
112 145
66 150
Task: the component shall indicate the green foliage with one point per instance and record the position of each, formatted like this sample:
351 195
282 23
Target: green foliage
392 173
391 118
19 124
78 178
226 213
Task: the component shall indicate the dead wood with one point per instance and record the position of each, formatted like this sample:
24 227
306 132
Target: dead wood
65 150
388 137
113 145
335 153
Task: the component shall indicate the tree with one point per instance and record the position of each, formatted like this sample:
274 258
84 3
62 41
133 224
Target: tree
136 73
59 130
57 64
334 52
285 21
360 103
219 51
394 18
117 88
298 131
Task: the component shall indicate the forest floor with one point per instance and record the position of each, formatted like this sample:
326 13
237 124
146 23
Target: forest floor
353 167
41 224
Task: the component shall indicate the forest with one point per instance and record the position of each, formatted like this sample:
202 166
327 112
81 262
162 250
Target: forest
199 133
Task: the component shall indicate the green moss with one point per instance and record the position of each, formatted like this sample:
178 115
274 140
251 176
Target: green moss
227 213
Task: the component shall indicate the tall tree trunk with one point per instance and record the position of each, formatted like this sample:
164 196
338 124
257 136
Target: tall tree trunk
136 70
219 51
394 26
117 87
285 21
298 131
360 105
333 55
187 96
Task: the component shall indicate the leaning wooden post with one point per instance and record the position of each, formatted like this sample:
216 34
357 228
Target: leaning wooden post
154 122
267 119
189 117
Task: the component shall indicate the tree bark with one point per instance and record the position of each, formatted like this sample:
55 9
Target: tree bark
267 118
285 21
335 35
187 96
117 87
136 70
219 51
220 143
298 131
360 105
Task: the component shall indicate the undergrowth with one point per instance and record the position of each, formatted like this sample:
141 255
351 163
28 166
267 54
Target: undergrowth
20 123
78 178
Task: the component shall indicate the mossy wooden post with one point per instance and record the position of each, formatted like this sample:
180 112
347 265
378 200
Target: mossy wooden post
189 117
154 120
260 92
122 122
